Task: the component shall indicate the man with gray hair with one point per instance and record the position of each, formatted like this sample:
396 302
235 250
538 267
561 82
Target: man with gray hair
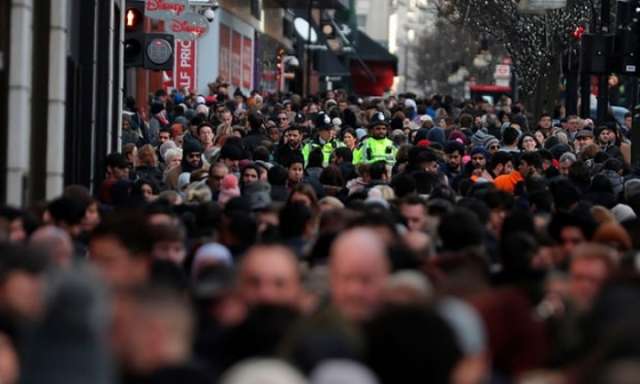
566 161
217 172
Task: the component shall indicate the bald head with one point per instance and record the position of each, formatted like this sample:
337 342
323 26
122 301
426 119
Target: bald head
269 274
358 272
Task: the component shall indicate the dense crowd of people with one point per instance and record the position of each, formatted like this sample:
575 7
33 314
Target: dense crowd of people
332 239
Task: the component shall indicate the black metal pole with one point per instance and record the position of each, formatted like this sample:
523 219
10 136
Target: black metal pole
633 93
630 91
572 83
585 77
585 87
603 81
585 95
603 98
310 15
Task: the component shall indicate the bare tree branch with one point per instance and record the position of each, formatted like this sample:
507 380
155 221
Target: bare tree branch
531 40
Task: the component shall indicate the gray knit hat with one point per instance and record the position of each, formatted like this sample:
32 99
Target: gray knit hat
632 189
480 137
491 141
259 195
623 212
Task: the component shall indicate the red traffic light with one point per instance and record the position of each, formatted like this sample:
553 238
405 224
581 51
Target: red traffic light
578 32
133 18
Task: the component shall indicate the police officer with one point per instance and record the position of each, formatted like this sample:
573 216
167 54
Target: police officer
378 147
324 140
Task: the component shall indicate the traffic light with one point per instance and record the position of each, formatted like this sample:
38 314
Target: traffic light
327 28
154 51
158 51
626 52
597 50
578 33
134 37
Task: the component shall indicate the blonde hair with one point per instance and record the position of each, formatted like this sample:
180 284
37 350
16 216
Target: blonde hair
198 193
147 156
382 191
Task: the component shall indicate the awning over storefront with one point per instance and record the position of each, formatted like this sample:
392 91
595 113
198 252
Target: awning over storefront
369 50
370 65
373 67
328 64
361 79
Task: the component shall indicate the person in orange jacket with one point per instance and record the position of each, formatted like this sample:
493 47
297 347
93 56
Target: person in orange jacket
529 164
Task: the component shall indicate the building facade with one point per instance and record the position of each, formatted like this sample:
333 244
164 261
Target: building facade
373 19
240 47
408 21
57 59
63 82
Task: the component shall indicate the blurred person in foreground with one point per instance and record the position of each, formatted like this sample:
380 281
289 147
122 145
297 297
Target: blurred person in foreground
153 336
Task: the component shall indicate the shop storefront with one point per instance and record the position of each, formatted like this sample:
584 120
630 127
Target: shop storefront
350 59
372 67
267 73
227 51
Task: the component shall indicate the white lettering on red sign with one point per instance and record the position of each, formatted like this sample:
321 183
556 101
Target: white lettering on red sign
185 64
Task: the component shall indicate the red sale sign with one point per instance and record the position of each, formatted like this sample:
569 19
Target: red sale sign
225 52
185 65
236 60
247 63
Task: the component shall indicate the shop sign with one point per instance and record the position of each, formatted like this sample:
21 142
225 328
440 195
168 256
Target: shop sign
185 66
165 9
188 26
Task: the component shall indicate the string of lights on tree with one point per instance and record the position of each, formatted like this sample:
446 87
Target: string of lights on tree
532 40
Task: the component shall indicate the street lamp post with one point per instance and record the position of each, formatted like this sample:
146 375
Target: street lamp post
411 35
